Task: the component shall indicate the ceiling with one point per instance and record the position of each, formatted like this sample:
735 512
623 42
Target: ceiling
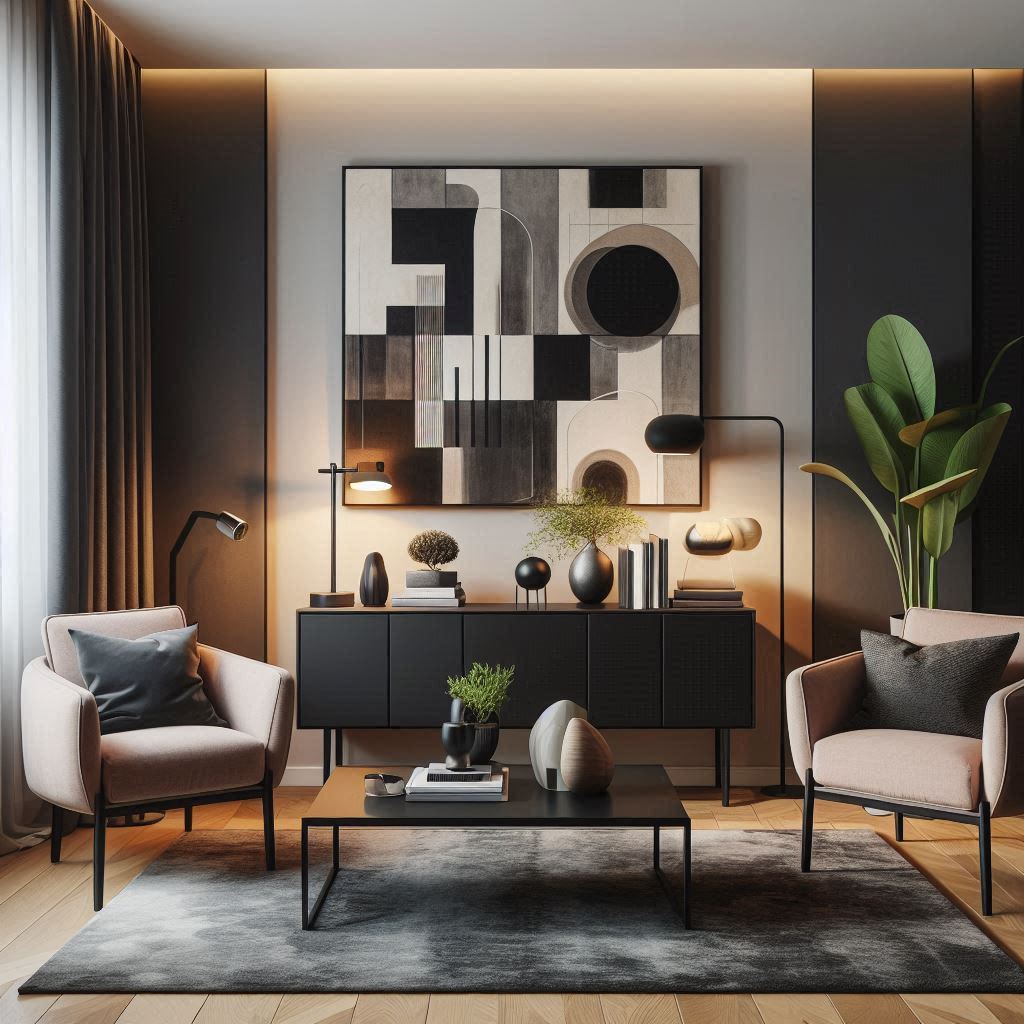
569 33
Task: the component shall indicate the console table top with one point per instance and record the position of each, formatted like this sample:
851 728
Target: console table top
588 609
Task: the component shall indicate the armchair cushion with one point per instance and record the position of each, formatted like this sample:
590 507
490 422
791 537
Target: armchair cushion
144 683
939 688
929 769
180 760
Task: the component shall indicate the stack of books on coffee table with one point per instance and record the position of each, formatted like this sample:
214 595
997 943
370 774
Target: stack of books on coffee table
430 590
479 784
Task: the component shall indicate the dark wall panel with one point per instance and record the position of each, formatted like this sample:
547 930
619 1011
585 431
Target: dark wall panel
205 135
998 317
892 157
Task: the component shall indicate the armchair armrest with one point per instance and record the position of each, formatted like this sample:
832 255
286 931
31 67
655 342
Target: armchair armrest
254 698
60 737
1002 750
820 699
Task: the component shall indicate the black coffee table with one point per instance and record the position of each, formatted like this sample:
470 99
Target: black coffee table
641 796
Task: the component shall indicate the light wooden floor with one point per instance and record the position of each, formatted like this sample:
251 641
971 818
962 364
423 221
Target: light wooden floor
43 905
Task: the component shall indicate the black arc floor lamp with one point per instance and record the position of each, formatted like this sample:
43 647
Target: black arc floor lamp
233 527
679 434
364 476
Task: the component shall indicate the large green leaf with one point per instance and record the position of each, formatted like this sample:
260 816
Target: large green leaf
915 433
975 450
923 495
899 361
878 422
937 521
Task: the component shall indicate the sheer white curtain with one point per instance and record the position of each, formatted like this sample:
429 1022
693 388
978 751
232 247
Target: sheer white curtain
23 392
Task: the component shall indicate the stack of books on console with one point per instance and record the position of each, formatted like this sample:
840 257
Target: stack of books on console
643 574
708 597
479 784
416 595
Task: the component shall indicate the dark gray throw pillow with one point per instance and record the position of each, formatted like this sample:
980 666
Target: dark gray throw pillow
145 683
940 688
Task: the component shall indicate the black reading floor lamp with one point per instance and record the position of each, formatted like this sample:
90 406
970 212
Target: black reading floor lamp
233 527
678 434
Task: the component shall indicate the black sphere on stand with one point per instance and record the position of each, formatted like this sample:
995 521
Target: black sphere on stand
533 574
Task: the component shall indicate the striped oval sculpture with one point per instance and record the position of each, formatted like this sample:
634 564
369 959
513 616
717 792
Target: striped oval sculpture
587 762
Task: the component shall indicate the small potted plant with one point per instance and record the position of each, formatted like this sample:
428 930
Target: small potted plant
432 548
483 691
576 522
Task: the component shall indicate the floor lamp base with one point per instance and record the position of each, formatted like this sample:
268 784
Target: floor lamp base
786 791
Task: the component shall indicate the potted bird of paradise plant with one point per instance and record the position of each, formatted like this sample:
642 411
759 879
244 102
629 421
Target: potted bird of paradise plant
932 463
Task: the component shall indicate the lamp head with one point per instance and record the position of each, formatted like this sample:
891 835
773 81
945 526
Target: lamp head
675 434
232 526
369 476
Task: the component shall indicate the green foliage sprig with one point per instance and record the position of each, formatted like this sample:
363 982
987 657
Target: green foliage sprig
433 548
576 518
483 689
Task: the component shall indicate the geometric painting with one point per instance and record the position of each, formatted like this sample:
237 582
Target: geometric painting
510 331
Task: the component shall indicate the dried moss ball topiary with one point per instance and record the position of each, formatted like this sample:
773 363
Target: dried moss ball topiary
433 548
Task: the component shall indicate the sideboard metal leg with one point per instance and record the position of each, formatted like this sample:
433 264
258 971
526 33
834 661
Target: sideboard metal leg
339 756
327 754
726 759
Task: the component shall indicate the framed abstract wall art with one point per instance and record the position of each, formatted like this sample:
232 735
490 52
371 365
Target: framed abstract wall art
510 331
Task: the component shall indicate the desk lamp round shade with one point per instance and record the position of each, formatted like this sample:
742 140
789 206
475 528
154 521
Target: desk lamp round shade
370 476
232 526
675 434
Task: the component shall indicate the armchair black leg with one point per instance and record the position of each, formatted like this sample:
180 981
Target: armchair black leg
898 816
268 822
985 856
807 832
56 833
188 817
99 842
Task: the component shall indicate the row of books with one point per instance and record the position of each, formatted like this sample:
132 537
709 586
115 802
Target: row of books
436 784
643 574
430 597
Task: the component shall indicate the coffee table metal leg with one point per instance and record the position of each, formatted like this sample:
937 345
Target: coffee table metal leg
686 875
657 847
309 916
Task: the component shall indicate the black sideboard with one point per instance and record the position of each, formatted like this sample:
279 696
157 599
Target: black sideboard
672 668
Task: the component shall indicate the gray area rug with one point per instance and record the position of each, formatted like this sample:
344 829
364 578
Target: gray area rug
532 911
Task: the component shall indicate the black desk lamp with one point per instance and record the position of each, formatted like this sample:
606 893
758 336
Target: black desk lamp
678 434
364 476
232 526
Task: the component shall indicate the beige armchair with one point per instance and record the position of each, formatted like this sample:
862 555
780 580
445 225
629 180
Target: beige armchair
923 775
69 764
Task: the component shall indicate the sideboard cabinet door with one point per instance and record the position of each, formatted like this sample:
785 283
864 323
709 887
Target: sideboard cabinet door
549 651
426 648
708 670
343 670
625 670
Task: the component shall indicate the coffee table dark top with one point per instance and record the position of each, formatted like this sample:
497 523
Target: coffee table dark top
639 796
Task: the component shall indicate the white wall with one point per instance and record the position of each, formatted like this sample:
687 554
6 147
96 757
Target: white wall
752 132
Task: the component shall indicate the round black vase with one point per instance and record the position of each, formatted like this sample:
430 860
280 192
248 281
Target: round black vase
373 583
485 741
591 575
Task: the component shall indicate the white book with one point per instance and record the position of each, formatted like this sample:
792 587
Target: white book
418 782
428 602
442 792
638 575
455 591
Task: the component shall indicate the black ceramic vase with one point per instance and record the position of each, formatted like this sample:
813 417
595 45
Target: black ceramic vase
485 741
591 575
373 584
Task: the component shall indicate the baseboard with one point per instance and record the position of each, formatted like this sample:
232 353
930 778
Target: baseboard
693 775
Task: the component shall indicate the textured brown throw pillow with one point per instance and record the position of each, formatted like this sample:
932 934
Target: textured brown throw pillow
939 688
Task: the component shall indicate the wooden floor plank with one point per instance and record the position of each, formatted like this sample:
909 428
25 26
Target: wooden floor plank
718 1009
86 1010
15 1009
640 1009
1005 1008
239 1009
950 1009
390 1009
18 869
316 1009
796 1009
550 1009
162 1009
462 1008
873 1009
